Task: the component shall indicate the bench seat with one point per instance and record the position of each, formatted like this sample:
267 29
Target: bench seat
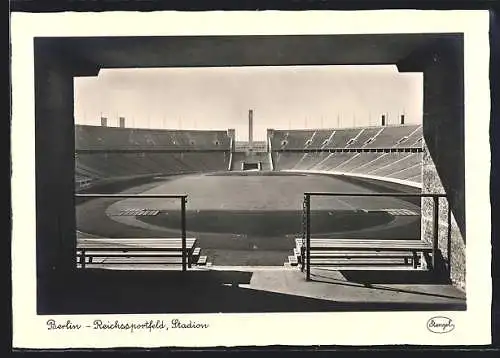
363 252
134 243
133 251
368 244
372 261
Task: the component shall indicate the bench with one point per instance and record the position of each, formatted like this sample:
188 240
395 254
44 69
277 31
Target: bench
127 251
363 252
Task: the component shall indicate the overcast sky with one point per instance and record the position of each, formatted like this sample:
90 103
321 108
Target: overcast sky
219 98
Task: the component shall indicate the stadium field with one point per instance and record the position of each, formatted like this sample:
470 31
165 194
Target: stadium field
250 218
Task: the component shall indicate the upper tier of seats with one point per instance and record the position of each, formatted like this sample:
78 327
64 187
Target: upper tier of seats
109 138
186 152
402 136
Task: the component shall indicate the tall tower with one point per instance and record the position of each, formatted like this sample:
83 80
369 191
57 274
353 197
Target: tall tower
383 120
122 122
402 119
250 128
104 122
231 133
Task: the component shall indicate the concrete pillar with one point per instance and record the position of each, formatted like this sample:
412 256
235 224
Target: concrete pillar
122 122
54 108
443 131
270 134
231 133
104 122
250 128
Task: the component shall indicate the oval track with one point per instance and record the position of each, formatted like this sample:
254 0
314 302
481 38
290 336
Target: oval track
251 219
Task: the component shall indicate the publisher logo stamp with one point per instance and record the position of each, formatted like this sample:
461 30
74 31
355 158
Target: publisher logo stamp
440 324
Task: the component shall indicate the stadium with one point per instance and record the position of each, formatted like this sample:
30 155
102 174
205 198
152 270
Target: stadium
245 200
243 216
339 218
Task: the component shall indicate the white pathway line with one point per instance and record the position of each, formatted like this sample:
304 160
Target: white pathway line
388 165
355 138
325 144
322 161
374 137
336 166
306 145
404 169
409 135
347 161
372 161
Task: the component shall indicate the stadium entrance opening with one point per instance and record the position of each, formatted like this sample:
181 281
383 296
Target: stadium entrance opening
251 166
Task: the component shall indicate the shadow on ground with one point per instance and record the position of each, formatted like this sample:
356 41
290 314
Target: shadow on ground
394 277
149 292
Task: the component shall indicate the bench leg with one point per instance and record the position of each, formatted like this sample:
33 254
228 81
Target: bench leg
415 260
302 258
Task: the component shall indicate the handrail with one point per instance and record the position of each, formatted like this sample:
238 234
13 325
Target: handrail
146 196
421 195
434 196
352 150
150 150
183 198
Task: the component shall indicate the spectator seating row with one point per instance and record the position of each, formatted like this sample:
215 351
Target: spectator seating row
95 137
409 136
397 165
96 157
107 165
403 166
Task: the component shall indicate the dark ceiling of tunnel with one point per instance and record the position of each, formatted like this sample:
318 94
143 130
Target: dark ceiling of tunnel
213 51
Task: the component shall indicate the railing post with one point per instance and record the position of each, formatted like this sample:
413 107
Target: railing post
302 252
435 231
308 236
183 229
82 259
449 238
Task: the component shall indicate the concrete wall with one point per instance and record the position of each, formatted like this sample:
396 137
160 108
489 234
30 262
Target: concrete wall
443 159
54 165
54 168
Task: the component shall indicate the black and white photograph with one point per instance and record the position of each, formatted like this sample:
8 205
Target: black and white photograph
180 178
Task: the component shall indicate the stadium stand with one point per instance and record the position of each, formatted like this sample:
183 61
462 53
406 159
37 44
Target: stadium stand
95 137
367 137
394 152
106 152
